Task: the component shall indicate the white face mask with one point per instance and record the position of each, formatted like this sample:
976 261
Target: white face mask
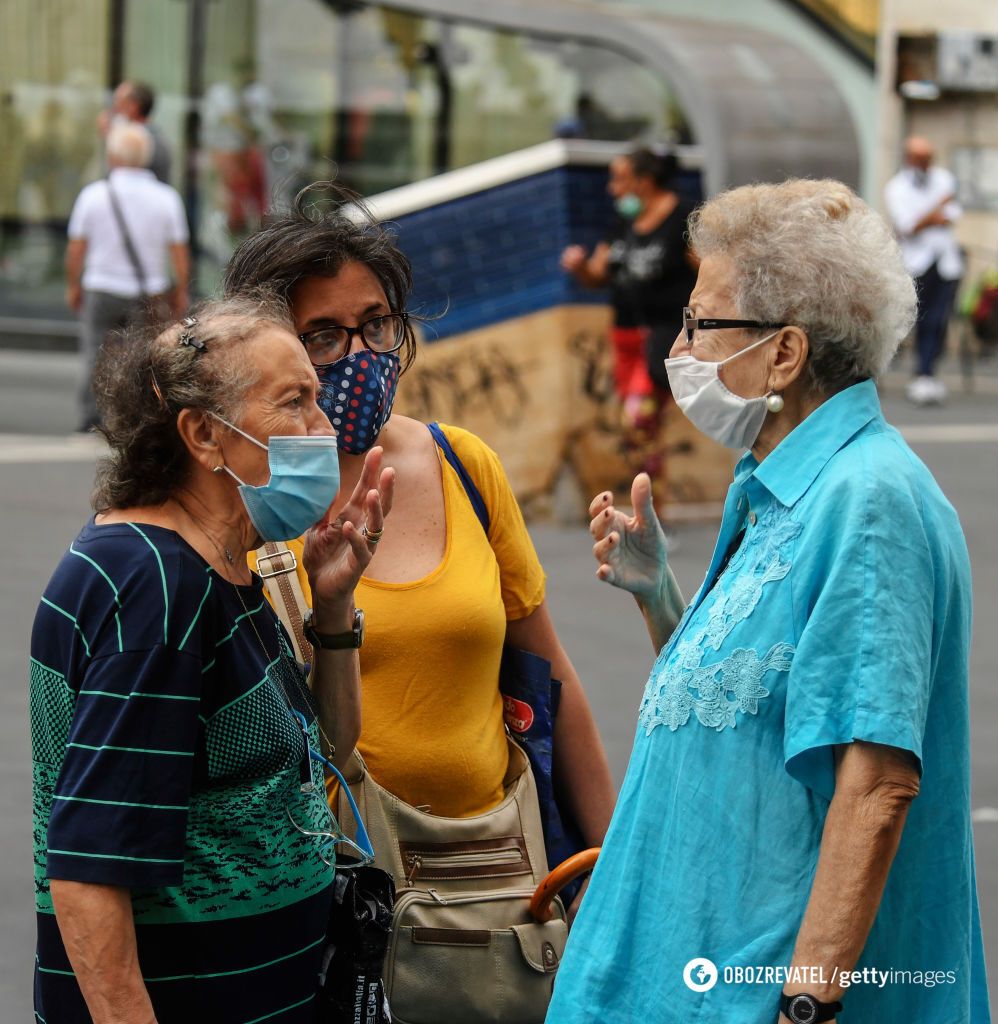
715 411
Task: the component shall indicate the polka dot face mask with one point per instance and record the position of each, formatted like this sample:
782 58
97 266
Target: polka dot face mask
358 392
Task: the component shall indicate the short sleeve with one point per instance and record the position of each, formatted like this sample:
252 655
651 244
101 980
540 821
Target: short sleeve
79 217
521 575
119 808
862 666
178 232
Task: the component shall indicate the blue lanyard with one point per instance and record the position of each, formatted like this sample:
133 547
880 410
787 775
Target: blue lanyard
363 840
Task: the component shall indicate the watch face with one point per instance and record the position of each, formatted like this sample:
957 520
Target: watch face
803 1010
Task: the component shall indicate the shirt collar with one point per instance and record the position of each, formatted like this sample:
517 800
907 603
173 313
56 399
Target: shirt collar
118 172
790 469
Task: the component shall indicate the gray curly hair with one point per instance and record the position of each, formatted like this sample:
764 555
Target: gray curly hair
812 254
143 380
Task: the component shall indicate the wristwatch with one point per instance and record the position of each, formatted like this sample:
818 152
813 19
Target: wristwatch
805 1009
336 641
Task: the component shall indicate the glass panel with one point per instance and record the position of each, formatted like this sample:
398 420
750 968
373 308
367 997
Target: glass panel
292 91
53 69
156 52
515 90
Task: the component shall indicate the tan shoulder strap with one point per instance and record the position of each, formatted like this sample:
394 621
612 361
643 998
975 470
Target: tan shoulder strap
277 565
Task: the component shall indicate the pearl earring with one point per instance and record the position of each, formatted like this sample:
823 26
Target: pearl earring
774 402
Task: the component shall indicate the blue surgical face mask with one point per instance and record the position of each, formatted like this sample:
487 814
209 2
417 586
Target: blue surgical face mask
304 479
358 392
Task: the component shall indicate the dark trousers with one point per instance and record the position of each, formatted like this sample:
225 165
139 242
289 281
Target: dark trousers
102 315
935 303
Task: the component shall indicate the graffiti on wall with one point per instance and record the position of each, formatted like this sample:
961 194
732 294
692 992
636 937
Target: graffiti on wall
540 391
455 386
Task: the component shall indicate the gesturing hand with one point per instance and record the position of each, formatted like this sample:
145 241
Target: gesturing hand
573 258
630 549
336 551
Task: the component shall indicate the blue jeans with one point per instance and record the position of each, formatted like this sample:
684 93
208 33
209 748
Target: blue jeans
935 303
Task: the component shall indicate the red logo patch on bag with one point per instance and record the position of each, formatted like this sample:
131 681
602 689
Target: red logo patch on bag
518 714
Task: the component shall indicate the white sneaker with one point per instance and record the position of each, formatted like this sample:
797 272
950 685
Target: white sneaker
922 390
939 391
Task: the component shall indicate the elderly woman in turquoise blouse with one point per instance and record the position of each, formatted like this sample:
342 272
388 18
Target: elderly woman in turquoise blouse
792 841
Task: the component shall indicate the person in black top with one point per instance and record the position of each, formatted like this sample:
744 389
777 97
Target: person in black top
647 266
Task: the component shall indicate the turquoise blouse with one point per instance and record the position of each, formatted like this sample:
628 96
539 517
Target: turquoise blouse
844 614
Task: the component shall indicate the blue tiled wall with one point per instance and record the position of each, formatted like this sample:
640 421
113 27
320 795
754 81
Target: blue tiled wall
494 255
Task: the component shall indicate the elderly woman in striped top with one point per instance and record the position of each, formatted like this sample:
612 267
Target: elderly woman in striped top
181 865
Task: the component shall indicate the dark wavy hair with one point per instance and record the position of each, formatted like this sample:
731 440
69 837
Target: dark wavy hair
661 166
326 227
143 380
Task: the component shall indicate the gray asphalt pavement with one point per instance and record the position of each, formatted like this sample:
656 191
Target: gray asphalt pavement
44 501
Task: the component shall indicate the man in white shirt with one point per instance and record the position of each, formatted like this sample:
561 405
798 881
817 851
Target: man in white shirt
121 231
921 203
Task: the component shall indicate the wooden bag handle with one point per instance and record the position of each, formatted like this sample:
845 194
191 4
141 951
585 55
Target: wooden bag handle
567 871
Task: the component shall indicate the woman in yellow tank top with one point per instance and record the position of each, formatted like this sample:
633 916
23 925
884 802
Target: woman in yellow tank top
440 597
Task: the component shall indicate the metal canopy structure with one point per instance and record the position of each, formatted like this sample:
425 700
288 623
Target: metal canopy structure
760 109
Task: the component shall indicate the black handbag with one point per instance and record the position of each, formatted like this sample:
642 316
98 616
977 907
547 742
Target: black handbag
360 924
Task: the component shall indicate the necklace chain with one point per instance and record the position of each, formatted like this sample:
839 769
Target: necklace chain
224 553
227 555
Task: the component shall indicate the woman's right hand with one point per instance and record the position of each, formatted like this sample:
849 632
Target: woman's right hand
338 551
630 549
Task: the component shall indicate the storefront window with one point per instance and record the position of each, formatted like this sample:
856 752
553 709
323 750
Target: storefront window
53 70
275 94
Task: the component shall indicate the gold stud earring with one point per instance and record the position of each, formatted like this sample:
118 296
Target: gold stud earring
217 469
774 402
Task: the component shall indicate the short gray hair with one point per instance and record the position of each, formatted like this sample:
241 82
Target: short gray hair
812 254
144 380
129 145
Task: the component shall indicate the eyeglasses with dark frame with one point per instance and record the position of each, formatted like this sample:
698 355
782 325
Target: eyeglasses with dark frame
691 324
383 333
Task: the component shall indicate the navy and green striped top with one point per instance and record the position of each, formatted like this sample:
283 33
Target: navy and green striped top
166 760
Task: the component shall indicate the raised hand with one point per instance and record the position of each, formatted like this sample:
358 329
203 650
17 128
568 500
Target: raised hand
337 551
630 549
573 258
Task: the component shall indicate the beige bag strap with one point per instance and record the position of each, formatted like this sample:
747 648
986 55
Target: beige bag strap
278 568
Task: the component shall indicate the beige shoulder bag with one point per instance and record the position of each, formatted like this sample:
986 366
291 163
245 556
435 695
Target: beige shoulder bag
464 948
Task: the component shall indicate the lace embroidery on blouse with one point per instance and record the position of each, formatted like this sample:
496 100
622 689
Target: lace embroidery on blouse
681 684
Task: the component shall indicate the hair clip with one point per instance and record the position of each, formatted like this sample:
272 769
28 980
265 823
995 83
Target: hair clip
186 337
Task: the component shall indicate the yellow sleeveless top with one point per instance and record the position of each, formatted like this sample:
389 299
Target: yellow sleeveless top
432 726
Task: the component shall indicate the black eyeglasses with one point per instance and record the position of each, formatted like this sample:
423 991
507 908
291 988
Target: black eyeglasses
383 333
709 323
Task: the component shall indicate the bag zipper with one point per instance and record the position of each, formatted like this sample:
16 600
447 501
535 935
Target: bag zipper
504 855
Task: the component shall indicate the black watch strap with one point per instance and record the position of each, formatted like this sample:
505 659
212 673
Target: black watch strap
336 641
804 1009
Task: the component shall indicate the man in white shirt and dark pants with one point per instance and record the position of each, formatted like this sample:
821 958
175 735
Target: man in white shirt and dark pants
921 203
121 232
